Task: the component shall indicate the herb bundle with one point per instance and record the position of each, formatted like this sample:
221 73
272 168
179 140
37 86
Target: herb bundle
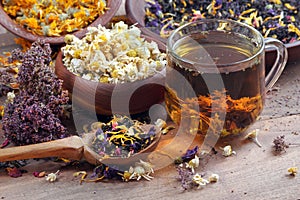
273 18
33 115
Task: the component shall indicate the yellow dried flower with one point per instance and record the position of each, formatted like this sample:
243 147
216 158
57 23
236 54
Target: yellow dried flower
293 171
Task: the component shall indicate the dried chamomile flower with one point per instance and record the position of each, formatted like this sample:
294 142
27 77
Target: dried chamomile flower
293 171
194 163
253 136
10 97
52 176
115 55
227 151
198 180
213 178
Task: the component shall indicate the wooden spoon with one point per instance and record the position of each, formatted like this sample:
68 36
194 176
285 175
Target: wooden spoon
75 148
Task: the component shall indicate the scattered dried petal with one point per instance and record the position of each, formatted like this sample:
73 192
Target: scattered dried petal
293 171
194 163
253 136
213 178
227 151
52 176
14 172
39 174
197 179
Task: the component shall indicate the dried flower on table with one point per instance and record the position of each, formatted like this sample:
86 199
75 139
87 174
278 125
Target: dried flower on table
189 154
39 174
54 18
253 136
35 113
141 169
115 55
185 177
14 172
52 176
213 178
199 181
227 151
293 171
83 175
194 163
279 144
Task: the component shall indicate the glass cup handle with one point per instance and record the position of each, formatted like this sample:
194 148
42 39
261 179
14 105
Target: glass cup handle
280 62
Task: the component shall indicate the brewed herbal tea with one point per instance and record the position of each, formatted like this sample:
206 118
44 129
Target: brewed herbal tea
221 71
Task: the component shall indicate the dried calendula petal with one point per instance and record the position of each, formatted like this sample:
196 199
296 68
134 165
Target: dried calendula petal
293 171
227 151
82 173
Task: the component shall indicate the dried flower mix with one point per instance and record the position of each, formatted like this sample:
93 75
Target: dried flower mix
245 108
54 17
188 177
115 55
122 137
141 169
279 19
35 112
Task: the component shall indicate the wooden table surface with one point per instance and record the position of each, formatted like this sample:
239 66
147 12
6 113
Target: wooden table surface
253 173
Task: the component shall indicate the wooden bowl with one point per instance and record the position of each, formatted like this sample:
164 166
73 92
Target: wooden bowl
106 98
7 22
135 10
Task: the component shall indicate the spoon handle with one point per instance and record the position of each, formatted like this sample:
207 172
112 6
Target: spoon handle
71 148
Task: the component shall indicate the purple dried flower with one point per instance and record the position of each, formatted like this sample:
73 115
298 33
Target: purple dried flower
190 154
34 115
185 177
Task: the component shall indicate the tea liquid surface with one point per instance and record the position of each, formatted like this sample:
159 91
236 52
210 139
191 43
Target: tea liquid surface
212 69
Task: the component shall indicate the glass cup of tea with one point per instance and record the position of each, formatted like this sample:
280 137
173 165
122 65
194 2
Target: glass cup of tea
215 77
